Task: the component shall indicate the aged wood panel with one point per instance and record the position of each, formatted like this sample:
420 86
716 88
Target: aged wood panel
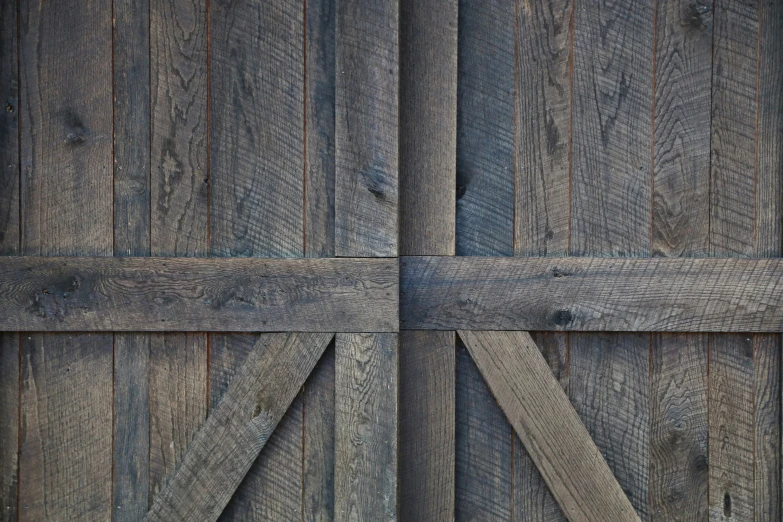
595 294
318 461
680 227
550 428
532 499
367 128
428 126
427 424
319 127
66 190
9 433
9 129
767 424
239 426
198 294
365 475
131 447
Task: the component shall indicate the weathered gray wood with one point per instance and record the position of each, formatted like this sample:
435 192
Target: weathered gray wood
365 446
594 294
65 62
9 129
428 126
548 425
427 425
239 427
272 487
9 433
767 425
367 128
205 294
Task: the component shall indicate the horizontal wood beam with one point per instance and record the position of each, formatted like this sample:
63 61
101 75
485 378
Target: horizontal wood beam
238 428
198 294
591 294
549 427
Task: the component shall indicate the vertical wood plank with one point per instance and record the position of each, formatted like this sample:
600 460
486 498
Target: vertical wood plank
366 426
272 488
178 222
484 226
318 459
9 245
680 227
532 499
610 216
319 127
257 170
542 200
131 448
427 424
767 419
428 126
9 432
9 129
66 154
367 127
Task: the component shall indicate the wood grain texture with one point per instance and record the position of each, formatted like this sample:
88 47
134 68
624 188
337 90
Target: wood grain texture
9 432
428 126
427 425
257 128
318 443
191 294
678 428
767 424
542 127
319 127
483 448
535 404
9 129
593 294
239 427
367 128
66 193
66 433
609 388
365 447
272 487
532 499
485 129
179 174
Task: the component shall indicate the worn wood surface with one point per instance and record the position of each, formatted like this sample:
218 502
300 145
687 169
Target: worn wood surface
239 426
206 294
594 294
365 445
535 404
9 433
367 128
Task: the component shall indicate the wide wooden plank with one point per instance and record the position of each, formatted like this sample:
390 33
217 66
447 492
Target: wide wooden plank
9 129
427 425
198 294
428 126
65 61
239 427
593 294
365 446
367 128
548 425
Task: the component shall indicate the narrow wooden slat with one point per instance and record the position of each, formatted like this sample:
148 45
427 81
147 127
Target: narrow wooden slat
427 424
365 446
237 429
9 129
767 424
593 294
367 125
318 462
9 433
272 487
428 126
206 294
131 448
66 193
319 127
548 425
